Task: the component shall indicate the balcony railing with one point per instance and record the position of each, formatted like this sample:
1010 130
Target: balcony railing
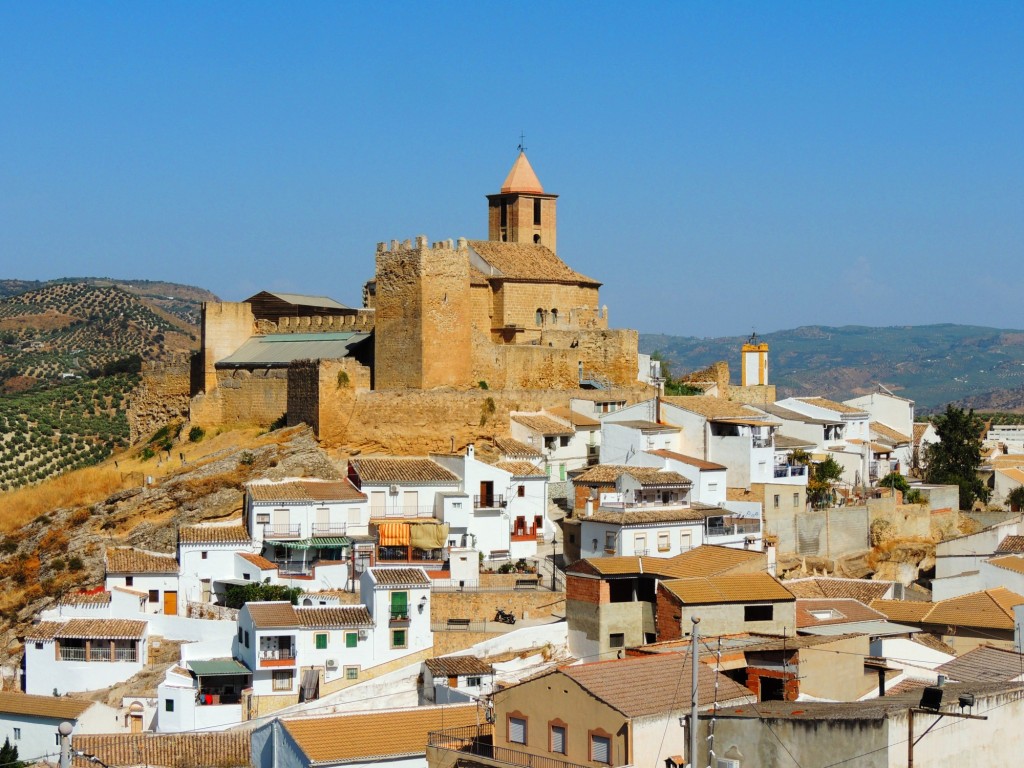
98 653
402 511
329 529
734 529
796 470
281 531
72 654
277 654
479 741
762 442
646 504
404 555
488 502
216 699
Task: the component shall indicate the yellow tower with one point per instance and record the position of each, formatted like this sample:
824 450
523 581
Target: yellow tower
754 357
522 212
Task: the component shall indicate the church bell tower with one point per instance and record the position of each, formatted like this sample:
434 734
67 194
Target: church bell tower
522 212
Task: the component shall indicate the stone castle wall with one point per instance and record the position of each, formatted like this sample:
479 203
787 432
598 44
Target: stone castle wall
160 398
226 326
361 321
323 393
243 397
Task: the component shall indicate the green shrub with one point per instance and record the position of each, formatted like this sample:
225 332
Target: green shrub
196 434
248 458
75 563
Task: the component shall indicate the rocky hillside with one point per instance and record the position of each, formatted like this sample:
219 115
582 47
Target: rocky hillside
63 549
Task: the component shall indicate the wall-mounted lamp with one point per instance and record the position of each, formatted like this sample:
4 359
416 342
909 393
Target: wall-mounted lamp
422 604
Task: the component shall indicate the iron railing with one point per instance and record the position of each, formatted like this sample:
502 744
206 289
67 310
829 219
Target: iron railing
281 531
329 529
489 502
797 470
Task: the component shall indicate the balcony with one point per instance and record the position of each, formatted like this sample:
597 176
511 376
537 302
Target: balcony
98 653
399 617
645 504
793 470
281 531
478 741
533 533
398 554
488 502
762 442
329 529
277 657
734 527
401 512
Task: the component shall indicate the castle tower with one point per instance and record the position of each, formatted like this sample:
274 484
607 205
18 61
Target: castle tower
522 212
422 317
754 357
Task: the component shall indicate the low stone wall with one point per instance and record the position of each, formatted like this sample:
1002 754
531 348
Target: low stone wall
481 606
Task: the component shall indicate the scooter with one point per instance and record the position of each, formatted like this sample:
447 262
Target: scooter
505 617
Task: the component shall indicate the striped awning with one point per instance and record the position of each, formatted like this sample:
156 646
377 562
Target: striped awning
316 541
393 534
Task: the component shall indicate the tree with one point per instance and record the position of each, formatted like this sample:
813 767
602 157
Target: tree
896 481
955 459
9 755
1015 499
819 484
674 386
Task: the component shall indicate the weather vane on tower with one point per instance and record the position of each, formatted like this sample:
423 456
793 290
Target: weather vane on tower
522 141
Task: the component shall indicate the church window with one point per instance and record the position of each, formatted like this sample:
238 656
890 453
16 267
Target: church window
539 317
554 317
536 212
536 239
504 213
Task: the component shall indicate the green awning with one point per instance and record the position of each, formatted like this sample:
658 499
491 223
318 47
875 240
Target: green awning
316 541
219 668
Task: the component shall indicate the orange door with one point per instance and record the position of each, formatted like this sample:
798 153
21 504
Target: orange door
170 603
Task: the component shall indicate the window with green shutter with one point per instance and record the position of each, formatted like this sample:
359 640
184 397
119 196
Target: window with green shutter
321 641
351 639
399 605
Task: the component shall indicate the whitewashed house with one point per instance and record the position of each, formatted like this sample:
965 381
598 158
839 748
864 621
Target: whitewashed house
202 695
83 654
398 600
709 480
502 508
564 449
455 679
207 556
150 573
856 453
30 722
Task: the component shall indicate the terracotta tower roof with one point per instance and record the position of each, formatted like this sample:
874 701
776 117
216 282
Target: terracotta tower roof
522 178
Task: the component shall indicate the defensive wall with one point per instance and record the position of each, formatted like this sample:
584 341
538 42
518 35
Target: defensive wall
161 397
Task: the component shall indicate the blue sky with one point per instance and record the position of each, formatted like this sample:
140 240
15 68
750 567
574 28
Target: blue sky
721 166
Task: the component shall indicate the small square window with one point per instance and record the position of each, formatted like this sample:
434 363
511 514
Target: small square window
283 679
154 595
351 640
39 646
129 581
351 673
398 639
758 612
473 682
247 576
203 555
263 518
168 705
17 734
321 641
617 640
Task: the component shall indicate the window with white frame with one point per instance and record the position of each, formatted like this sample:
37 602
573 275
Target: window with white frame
283 679
664 541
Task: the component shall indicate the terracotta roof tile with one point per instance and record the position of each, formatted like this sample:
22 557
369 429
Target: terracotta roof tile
450 666
705 560
730 588
713 407
406 731
919 430
275 614
863 590
51 707
649 685
831 405
888 433
304 491
85 598
330 616
400 577
521 468
527 262
1013 563
641 515
990 609
842 611
575 418
986 663
787 442
128 560
1015 474
1011 544
402 470
258 560
542 424
646 476
690 460
515 449
790 415
521 178
903 611
84 629
928 640
221 749
213 534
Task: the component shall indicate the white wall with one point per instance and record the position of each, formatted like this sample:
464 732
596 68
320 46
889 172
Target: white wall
145 583
44 673
895 412
219 564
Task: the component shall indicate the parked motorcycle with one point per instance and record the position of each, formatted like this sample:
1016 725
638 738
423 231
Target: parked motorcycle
505 617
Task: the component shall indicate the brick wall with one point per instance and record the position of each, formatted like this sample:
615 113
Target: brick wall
668 616
587 590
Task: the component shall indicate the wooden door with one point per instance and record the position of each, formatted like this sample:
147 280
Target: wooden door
136 723
170 603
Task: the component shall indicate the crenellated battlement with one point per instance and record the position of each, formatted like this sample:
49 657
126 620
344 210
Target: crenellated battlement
422 243
362 321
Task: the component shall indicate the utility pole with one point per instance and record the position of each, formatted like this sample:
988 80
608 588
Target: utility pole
694 660
64 729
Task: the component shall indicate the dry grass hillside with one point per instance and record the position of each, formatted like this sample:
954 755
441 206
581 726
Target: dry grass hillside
54 535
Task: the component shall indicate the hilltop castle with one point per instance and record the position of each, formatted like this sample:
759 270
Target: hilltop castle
502 314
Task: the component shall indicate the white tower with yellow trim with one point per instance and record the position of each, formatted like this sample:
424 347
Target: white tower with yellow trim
755 362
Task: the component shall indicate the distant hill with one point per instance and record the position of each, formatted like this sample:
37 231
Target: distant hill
931 364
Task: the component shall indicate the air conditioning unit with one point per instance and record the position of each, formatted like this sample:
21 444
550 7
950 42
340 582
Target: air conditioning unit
332 663
363 634
393 490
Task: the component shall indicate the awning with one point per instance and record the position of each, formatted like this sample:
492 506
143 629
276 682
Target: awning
219 668
316 541
428 536
393 534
